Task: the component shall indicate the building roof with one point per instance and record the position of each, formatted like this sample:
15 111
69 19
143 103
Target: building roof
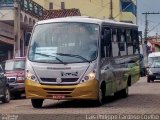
154 42
50 14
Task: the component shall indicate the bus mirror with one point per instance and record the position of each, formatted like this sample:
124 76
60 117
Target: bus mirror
27 38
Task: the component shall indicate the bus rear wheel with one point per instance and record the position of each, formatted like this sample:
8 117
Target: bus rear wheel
124 92
37 103
148 80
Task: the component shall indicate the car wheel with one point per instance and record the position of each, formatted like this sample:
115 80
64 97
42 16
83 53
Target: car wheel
7 96
37 103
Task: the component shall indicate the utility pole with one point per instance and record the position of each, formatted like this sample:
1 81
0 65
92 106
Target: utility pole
111 10
156 37
146 26
146 22
17 52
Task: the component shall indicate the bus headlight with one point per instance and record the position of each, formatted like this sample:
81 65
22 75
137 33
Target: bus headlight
30 76
90 76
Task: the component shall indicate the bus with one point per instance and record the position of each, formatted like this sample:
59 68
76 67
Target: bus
81 58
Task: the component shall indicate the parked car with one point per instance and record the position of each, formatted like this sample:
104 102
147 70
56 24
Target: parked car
4 87
154 71
155 56
15 73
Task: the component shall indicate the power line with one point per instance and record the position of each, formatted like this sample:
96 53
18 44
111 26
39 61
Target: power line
146 22
154 28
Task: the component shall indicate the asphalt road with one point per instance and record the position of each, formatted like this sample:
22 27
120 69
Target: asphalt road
144 98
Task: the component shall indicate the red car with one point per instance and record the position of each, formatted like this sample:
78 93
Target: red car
15 73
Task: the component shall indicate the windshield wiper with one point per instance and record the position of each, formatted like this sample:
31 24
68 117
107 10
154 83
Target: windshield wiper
50 56
73 55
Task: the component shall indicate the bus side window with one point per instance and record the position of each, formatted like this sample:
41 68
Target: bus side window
106 50
122 42
135 40
129 42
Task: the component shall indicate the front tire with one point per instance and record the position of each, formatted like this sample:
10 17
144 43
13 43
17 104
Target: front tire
37 103
7 96
101 96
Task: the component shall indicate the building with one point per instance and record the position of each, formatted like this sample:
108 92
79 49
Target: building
50 14
11 21
153 44
119 10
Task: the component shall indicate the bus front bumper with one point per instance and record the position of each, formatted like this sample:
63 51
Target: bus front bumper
86 91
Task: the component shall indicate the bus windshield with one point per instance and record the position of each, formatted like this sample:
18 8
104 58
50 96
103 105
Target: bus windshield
64 43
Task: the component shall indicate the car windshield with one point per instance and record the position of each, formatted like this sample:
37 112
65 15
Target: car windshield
64 43
156 64
152 59
12 65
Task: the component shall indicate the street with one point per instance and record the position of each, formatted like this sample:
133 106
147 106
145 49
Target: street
143 99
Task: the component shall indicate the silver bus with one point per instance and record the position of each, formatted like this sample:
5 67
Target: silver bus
81 58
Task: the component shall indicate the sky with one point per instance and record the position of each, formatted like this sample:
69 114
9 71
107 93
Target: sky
154 20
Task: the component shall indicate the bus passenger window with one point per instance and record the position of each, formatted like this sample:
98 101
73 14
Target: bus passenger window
122 42
115 50
135 41
129 42
106 50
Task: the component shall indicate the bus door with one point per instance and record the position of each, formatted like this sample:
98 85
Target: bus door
106 53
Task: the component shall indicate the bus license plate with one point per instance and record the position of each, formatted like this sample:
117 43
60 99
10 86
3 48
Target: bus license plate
58 97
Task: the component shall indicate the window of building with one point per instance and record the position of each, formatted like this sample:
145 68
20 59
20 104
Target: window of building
128 6
51 6
62 5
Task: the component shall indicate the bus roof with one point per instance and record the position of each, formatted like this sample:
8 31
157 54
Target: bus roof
86 20
154 54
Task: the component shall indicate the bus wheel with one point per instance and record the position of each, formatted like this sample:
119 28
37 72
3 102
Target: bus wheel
101 95
148 80
124 92
37 103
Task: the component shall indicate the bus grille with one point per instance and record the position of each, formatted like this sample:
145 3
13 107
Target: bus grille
59 91
50 80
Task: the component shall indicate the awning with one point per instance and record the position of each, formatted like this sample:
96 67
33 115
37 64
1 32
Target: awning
6 40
